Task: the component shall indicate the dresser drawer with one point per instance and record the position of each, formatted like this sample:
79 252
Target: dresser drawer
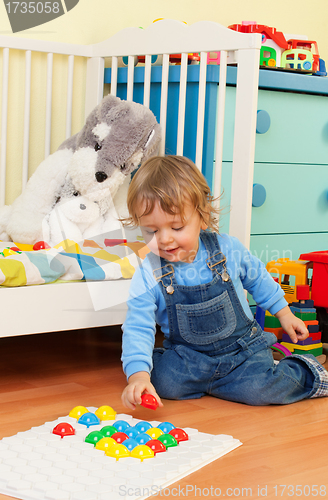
296 199
272 247
298 131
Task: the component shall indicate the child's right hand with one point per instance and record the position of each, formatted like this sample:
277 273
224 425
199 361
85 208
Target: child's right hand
138 384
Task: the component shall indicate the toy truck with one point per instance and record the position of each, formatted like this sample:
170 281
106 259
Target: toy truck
311 269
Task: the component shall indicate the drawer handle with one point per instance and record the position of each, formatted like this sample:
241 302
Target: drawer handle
259 195
263 121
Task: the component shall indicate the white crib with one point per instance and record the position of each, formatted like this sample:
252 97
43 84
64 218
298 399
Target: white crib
43 118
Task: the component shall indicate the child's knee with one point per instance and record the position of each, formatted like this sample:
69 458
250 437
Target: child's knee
166 386
169 385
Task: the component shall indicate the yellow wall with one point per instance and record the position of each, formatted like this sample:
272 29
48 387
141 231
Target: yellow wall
94 20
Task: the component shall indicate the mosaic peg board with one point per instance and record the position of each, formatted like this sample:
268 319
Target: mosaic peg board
40 465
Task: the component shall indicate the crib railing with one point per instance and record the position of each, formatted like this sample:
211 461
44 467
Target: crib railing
160 39
20 52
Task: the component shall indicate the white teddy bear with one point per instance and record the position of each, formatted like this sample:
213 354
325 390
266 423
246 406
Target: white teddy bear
75 218
95 163
78 218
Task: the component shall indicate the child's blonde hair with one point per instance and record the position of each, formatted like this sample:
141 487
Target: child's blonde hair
170 180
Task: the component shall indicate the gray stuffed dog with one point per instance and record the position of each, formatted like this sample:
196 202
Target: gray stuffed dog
96 163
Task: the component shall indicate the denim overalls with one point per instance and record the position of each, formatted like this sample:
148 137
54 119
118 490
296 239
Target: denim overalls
214 348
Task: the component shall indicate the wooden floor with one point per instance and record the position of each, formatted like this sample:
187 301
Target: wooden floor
285 448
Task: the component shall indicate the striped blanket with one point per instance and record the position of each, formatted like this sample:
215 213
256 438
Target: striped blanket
90 260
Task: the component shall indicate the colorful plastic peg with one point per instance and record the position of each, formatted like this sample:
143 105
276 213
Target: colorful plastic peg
105 413
63 429
179 434
40 245
149 401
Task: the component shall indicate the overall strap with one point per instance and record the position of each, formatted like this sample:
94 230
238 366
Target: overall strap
216 260
163 274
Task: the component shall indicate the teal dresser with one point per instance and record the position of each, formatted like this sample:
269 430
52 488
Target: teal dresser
291 165
291 157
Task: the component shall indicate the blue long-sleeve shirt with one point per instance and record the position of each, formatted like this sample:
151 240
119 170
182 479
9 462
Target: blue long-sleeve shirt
146 303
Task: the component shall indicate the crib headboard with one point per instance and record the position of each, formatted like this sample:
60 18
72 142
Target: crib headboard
48 88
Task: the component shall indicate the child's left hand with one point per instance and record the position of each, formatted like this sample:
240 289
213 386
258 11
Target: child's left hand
293 326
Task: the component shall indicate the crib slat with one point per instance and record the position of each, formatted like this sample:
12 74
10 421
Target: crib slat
147 78
113 82
94 90
129 95
182 102
201 109
163 108
244 145
4 115
47 143
27 108
69 96
220 124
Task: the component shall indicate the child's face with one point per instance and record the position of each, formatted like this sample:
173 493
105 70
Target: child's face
169 237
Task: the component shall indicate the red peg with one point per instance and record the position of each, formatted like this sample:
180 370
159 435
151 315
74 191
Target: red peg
179 434
156 445
64 429
119 437
149 401
40 245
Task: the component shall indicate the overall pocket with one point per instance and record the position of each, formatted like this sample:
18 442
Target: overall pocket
207 322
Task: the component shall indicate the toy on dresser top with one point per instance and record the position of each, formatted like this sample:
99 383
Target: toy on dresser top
96 454
284 51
